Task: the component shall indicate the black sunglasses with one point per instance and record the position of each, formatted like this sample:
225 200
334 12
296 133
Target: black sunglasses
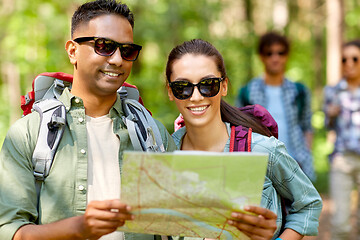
107 47
208 87
355 59
280 53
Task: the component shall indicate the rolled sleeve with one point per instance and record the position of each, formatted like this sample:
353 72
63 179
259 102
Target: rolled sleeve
291 182
17 191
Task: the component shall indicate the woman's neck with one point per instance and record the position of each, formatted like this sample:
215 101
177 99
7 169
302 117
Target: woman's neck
210 138
353 83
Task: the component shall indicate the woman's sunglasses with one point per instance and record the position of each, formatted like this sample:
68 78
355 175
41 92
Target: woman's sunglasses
107 47
208 87
344 60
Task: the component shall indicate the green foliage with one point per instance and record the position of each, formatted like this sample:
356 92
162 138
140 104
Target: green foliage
33 35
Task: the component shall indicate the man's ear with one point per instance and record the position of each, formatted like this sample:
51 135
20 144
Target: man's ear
262 58
71 49
170 94
224 88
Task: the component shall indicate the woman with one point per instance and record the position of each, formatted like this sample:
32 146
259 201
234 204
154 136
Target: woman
197 81
342 111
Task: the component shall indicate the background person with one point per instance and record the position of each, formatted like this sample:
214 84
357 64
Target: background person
80 197
197 81
342 110
288 102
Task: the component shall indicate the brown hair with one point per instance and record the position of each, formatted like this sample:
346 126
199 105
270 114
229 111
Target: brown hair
355 43
229 113
271 38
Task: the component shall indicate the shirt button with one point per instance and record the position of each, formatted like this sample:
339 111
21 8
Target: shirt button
81 187
83 151
77 100
81 119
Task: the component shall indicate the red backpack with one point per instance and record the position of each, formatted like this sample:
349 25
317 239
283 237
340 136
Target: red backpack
49 85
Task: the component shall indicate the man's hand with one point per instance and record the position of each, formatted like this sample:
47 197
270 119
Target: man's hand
100 218
257 227
103 217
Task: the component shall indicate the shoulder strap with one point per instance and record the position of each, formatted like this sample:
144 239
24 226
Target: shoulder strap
52 121
240 139
143 130
300 98
244 95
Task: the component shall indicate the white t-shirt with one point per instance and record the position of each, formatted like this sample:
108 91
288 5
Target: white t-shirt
104 180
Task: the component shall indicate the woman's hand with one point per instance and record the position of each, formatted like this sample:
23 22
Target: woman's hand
257 227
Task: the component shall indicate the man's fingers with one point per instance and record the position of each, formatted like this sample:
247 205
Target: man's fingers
108 214
110 204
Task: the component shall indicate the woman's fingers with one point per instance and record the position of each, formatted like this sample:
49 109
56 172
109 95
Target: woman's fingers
261 225
266 213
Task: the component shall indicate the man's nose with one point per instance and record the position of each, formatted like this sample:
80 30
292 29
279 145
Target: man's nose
116 58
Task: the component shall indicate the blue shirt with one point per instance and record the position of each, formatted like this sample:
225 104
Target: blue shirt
298 124
277 111
347 123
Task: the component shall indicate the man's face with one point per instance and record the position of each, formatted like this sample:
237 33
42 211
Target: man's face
274 59
94 74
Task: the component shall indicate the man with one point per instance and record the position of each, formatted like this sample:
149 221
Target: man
288 102
342 111
80 197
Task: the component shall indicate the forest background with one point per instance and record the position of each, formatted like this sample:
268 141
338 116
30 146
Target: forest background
33 33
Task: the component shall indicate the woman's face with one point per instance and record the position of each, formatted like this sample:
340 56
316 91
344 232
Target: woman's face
197 110
351 62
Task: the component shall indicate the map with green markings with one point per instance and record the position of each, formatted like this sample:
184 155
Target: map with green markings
190 193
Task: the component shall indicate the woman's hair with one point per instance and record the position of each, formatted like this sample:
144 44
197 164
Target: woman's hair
355 43
230 114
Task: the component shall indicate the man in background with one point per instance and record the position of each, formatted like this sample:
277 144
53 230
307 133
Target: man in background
287 101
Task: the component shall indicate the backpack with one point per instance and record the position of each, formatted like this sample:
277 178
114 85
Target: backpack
47 88
299 99
240 140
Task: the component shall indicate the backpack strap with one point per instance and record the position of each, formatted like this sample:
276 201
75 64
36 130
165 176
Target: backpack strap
143 130
300 98
52 124
240 139
244 95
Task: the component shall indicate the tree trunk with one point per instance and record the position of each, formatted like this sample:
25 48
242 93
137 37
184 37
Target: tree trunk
12 78
334 25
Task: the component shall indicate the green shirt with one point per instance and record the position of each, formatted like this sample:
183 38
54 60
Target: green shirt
63 193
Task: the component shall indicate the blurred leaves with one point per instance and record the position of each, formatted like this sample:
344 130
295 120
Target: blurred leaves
33 34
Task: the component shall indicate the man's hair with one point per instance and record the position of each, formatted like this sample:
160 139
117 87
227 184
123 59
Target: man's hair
355 42
93 9
271 38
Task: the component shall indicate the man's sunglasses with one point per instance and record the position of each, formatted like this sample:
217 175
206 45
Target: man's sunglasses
279 53
355 59
208 87
107 47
